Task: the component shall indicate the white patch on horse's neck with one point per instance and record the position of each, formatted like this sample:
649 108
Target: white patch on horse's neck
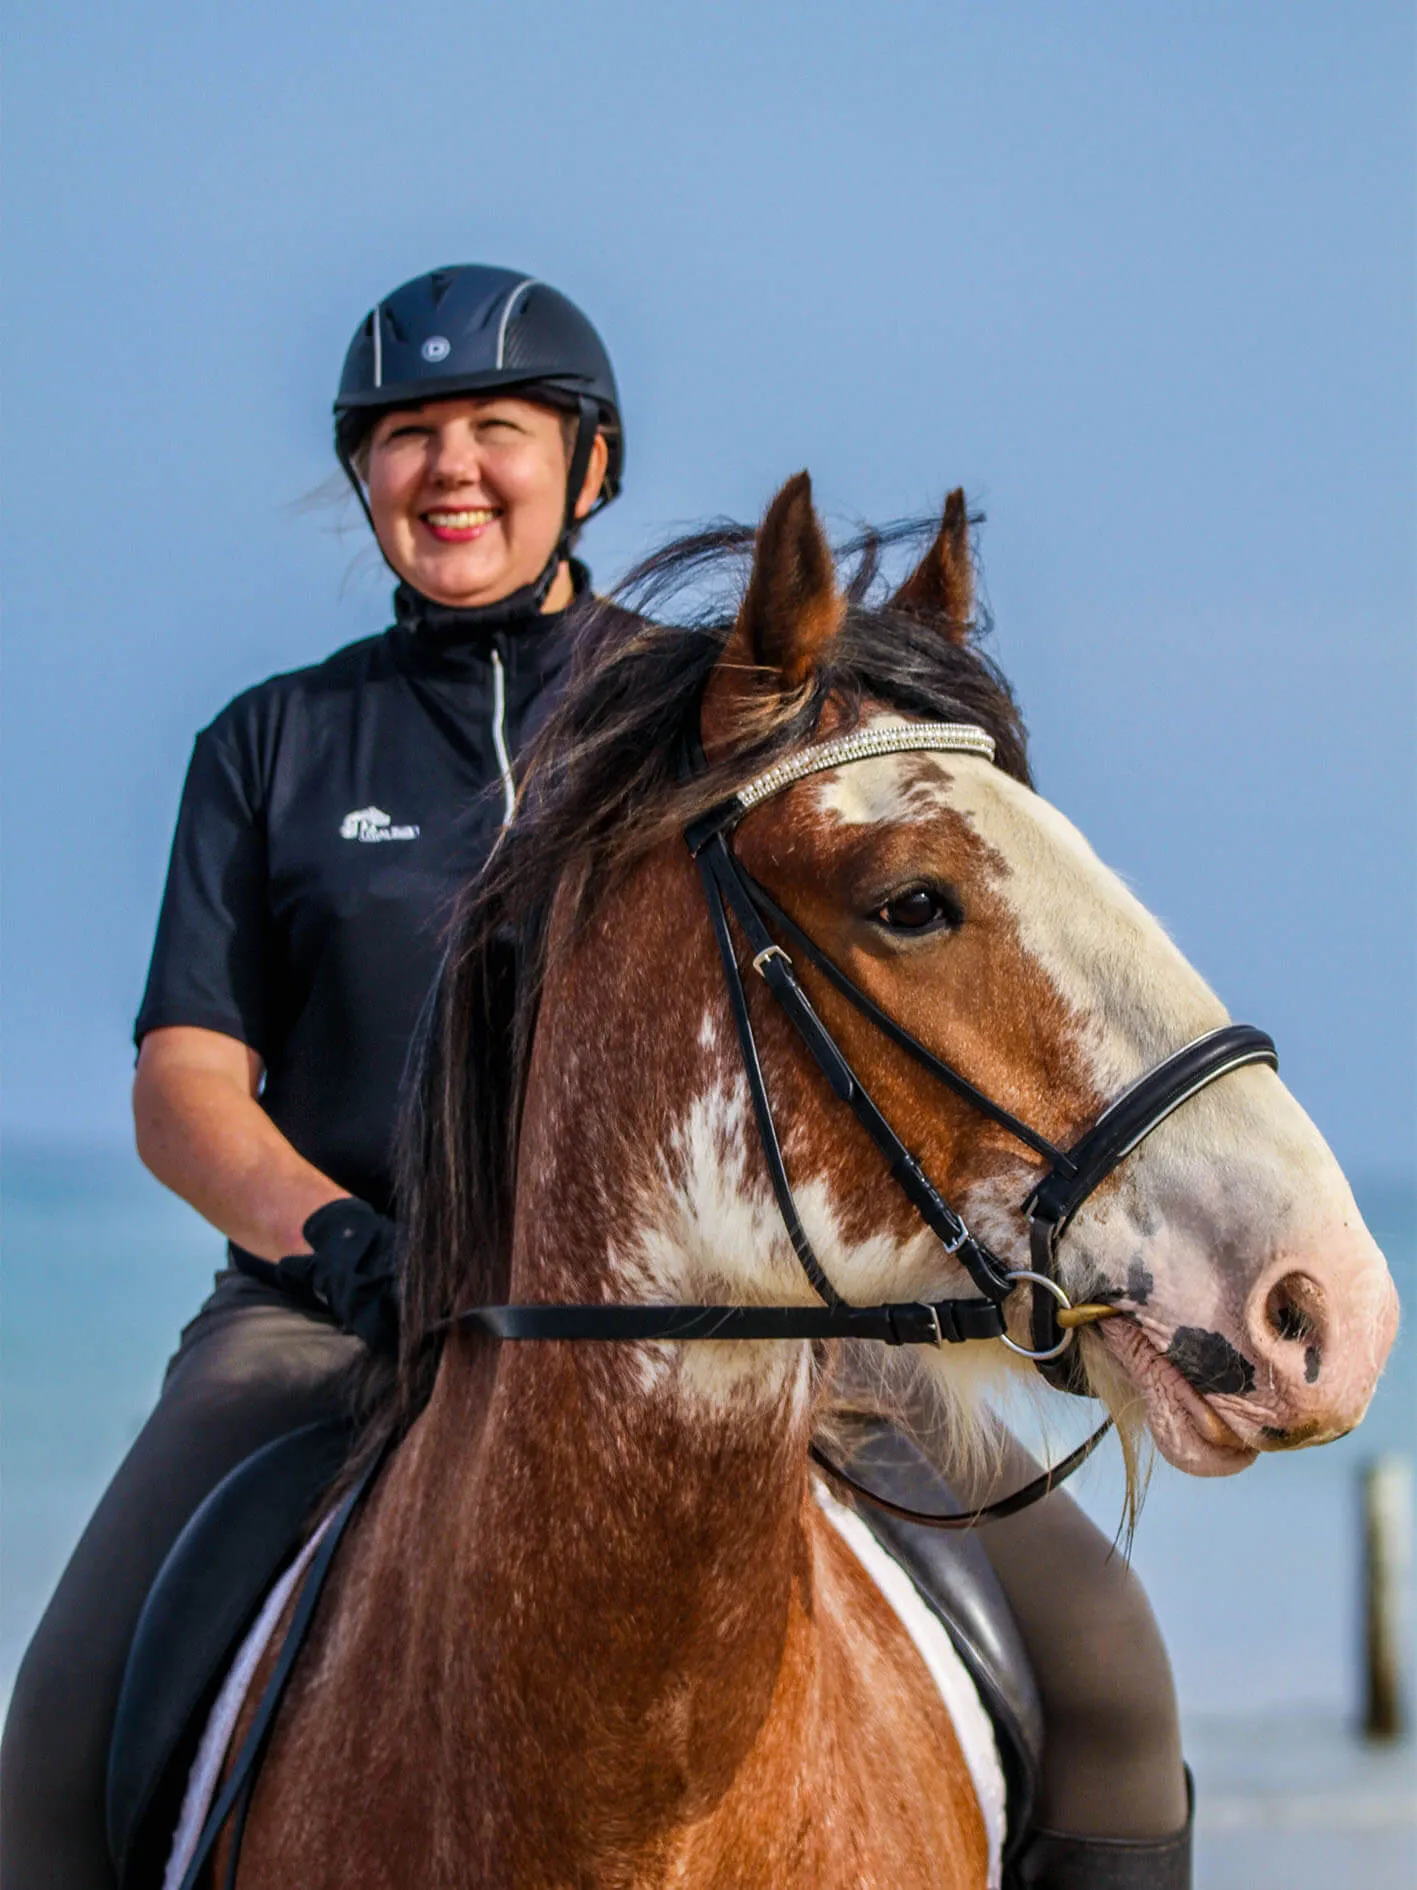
707 1230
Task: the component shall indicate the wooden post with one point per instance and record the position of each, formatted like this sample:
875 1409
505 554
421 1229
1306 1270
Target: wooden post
1387 1530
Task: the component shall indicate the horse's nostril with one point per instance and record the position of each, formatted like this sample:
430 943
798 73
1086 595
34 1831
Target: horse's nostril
1292 1310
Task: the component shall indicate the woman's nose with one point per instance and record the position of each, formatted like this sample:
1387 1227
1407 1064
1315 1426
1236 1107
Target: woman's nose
453 458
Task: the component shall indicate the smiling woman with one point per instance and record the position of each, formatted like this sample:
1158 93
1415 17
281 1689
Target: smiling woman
328 818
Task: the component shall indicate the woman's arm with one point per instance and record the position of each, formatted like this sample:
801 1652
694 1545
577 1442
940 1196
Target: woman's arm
201 1131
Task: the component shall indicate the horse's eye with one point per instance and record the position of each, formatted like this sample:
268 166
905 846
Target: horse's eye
922 909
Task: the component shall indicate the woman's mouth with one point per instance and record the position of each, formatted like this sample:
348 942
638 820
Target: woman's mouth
458 527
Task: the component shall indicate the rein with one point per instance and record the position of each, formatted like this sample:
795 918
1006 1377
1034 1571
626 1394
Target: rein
1070 1178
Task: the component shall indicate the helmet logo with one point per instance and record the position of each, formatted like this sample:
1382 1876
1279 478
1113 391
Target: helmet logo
436 348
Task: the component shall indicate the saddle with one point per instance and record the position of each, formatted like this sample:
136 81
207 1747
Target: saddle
206 1596
222 1566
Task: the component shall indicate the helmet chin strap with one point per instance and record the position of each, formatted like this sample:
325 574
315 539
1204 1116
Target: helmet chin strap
528 599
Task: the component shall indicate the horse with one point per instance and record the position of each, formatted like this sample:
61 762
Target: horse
595 1622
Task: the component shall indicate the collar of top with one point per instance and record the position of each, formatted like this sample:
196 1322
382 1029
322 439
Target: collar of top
515 624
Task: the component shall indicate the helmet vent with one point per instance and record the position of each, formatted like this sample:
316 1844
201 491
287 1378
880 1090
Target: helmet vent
516 295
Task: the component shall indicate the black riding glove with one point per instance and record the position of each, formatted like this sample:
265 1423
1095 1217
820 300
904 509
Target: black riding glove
351 1270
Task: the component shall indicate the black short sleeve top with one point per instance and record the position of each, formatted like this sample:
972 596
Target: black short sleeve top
328 820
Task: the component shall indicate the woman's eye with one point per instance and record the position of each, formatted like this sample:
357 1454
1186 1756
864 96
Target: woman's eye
922 909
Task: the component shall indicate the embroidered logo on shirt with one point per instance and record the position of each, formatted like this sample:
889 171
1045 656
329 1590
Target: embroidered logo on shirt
372 823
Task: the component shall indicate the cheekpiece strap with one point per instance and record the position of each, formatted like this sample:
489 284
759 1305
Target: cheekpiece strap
726 884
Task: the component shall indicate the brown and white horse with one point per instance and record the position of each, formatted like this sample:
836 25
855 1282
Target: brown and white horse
594 1625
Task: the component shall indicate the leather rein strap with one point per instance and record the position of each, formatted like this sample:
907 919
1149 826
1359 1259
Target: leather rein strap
937 1322
1071 1175
1022 1498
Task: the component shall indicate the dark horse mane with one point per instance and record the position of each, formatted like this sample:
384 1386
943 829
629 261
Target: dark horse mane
602 788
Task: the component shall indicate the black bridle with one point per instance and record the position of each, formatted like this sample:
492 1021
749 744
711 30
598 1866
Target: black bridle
1070 1178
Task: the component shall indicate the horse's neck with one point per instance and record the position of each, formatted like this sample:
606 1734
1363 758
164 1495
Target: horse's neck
626 1572
632 1524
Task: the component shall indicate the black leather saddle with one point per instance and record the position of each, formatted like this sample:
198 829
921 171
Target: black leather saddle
207 1594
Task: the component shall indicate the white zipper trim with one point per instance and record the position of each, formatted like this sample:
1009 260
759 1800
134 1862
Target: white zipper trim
499 738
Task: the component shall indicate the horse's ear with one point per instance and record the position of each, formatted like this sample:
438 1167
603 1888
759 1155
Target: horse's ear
942 584
793 607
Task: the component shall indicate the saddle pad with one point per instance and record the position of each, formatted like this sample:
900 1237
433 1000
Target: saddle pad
209 1591
946 1669
205 1776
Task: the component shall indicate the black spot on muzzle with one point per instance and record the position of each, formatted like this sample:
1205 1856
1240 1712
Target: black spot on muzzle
1140 1283
1210 1362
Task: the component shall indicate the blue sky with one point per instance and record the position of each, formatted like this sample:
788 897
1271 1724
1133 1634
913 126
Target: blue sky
1140 277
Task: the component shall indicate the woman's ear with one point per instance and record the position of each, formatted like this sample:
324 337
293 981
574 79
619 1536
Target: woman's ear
793 607
942 584
594 476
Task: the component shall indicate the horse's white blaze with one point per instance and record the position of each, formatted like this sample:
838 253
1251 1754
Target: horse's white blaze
946 1669
1102 951
1237 1188
887 790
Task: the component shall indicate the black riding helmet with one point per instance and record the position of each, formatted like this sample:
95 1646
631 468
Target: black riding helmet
473 329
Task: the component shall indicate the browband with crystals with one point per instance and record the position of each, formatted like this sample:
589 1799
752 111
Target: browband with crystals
897 738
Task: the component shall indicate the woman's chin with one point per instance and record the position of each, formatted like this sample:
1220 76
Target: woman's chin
1190 1435
465 577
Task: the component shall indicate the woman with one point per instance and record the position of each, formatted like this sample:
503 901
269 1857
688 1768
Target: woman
328 817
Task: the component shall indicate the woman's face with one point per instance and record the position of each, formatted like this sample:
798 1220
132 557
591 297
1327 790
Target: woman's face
467 495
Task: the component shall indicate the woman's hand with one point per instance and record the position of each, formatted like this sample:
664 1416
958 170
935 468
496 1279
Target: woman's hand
201 1131
351 1270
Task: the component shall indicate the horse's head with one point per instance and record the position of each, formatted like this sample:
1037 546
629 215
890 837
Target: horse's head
1258 1311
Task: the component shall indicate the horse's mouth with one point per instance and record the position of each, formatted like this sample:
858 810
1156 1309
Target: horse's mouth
1189 1432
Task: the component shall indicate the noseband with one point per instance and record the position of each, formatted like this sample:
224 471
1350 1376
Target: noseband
1071 1176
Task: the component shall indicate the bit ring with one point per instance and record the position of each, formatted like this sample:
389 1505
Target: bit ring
1051 1286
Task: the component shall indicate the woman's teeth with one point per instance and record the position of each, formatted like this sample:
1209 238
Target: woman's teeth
460 521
